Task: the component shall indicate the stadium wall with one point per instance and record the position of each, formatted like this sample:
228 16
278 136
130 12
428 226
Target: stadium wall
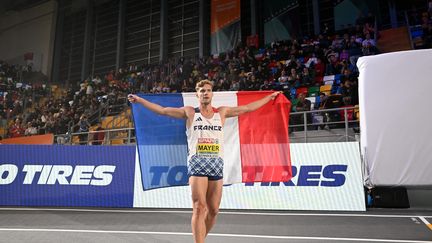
326 176
29 30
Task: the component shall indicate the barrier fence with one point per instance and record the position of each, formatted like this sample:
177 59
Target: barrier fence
339 124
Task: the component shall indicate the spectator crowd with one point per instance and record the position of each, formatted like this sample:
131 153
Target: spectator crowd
291 66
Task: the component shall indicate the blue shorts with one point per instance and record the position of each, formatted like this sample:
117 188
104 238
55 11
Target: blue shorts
208 167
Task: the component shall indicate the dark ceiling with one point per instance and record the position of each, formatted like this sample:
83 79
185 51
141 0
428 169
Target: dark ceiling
17 5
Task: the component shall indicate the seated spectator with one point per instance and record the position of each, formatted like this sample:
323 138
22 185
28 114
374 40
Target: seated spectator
16 130
235 85
84 126
345 41
252 83
350 90
222 85
307 78
311 61
368 29
354 51
319 68
266 86
344 55
334 67
337 42
302 105
319 104
369 50
294 78
368 41
283 78
30 130
97 80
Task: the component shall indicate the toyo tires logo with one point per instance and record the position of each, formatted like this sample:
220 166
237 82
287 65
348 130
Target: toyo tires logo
101 175
333 175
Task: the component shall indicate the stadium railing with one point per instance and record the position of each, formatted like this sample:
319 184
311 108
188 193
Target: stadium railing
329 125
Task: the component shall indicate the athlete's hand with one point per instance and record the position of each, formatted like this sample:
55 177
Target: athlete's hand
132 98
275 94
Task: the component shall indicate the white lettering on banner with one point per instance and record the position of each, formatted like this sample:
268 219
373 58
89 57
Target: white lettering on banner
31 171
8 173
67 175
82 175
43 178
102 172
59 173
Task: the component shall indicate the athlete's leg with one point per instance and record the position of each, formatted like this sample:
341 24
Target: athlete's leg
199 188
214 195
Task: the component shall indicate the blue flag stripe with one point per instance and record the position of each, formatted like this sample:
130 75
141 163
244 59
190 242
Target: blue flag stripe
162 142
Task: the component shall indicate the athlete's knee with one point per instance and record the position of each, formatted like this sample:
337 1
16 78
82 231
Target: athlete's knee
213 211
199 208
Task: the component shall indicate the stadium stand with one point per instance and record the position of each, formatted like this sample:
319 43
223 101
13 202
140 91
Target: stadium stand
320 67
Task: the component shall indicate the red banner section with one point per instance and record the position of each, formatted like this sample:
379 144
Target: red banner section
223 13
46 139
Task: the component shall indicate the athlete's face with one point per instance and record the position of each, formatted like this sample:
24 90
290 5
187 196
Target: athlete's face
205 94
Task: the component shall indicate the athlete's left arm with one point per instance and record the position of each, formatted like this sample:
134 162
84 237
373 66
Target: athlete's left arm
239 110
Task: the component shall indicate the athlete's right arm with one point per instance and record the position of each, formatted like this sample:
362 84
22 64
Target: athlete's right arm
166 111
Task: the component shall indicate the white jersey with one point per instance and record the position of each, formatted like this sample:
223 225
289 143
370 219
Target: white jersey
205 144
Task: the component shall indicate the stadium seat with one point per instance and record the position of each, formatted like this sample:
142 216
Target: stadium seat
326 89
313 91
293 93
2 131
107 122
128 112
294 104
117 141
75 139
329 82
328 78
301 90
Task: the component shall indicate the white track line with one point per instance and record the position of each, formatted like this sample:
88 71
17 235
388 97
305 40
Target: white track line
429 225
221 212
212 234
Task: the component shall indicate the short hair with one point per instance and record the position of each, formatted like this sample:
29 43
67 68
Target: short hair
203 82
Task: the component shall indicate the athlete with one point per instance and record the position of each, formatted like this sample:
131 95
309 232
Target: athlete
204 129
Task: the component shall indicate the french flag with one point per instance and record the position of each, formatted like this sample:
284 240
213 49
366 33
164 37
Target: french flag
256 144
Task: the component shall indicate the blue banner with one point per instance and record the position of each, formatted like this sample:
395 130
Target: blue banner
75 176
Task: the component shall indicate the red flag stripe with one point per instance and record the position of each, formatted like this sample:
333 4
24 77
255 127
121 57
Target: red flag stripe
264 141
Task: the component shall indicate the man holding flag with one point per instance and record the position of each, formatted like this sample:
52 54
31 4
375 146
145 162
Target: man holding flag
204 129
